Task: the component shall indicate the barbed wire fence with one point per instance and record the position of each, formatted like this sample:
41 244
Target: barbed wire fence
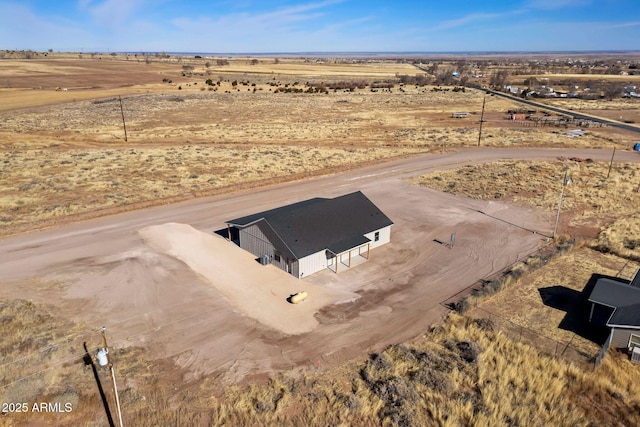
544 344
468 300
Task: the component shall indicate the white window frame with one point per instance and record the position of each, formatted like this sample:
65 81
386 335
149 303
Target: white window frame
634 341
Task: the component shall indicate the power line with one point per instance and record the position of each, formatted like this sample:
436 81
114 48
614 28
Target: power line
62 339
120 341
44 349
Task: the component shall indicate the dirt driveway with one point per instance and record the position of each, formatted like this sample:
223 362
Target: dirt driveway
105 271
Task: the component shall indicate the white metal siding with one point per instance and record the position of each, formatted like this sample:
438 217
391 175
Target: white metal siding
312 263
385 237
253 240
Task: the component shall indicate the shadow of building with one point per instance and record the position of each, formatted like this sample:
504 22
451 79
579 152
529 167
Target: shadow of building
579 310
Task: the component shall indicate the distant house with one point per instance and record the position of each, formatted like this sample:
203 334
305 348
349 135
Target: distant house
575 132
459 115
630 92
519 114
306 237
618 301
512 89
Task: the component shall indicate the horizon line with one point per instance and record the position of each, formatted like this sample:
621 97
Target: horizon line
342 53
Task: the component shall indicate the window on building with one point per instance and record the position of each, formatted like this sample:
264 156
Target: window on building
376 236
634 341
277 257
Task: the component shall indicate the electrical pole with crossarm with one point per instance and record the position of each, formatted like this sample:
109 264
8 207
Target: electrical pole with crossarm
105 360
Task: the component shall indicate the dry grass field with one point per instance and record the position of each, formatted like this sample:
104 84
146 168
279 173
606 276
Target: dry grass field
464 372
545 306
64 157
592 202
600 211
523 303
64 153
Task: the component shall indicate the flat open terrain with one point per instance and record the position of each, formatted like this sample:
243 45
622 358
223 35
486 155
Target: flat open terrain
102 271
122 233
64 153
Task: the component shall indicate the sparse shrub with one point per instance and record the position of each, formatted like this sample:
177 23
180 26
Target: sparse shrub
631 244
468 351
484 324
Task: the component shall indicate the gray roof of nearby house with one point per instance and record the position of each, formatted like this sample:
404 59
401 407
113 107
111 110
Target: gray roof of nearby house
316 224
635 282
623 297
626 317
614 293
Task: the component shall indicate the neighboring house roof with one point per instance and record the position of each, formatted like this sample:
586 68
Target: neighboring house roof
614 293
635 282
313 225
623 297
626 317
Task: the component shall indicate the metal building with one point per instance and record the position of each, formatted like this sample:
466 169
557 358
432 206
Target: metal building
620 301
306 237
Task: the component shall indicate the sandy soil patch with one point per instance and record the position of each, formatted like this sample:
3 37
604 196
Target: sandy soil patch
258 291
191 310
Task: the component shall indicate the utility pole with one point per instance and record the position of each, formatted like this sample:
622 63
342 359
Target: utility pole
565 181
89 361
481 120
101 359
124 124
611 162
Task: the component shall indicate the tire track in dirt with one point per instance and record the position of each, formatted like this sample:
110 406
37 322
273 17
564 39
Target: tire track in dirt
400 287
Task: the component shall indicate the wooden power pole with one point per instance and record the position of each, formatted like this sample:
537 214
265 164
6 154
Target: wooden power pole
481 120
611 162
124 124
111 372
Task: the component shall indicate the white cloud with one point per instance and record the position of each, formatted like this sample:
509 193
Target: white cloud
83 4
475 18
21 28
459 22
624 25
268 28
112 13
557 4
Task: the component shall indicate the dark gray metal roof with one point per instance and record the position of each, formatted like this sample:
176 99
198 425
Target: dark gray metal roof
346 244
636 280
627 316
281 211
313 225
614 293
623 297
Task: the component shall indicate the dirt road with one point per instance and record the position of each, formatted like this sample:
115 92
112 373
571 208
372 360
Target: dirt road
103 272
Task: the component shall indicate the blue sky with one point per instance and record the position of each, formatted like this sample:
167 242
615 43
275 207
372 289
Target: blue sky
252 26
